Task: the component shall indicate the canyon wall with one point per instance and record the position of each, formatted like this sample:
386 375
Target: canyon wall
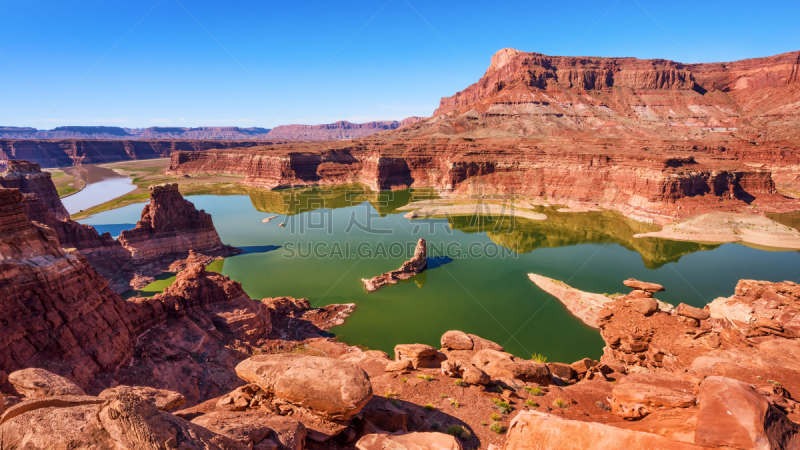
57 311
531 94
660 185
63 153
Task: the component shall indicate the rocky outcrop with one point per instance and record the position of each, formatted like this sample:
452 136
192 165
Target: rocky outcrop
584 305
163 399
28 178
412 267
170 227
193 334
56 309
212 298
121 420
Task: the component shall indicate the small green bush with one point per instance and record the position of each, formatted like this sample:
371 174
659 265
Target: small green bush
774 382
426 377
499 389
602 405
459 431
390 394
459 382
497 428
495 417
539 358
502 405
429 407
560 403
435 426
455 403
533 391
532 404
404 379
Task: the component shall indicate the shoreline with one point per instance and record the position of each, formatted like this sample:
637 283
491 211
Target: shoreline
730 228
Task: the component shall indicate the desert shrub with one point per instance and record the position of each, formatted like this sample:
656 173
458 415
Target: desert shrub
497 428
539 358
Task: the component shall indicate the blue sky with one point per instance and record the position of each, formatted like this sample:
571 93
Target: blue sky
255 63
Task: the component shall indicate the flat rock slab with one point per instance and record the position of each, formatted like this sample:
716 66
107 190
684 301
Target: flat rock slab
410 441
165 400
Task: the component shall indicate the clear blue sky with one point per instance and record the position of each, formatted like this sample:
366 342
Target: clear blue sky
322 61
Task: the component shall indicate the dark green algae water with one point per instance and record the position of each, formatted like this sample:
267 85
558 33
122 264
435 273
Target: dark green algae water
477 277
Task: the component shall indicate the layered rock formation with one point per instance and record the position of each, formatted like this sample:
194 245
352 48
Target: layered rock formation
166 238
68 152
656 140
629 97
412 267
57 311
170 227
669 182
28 178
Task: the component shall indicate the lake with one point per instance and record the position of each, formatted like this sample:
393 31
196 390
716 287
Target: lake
477 278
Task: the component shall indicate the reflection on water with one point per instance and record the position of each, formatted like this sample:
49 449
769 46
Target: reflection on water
102 185
485 295
291 202
568 229
791 219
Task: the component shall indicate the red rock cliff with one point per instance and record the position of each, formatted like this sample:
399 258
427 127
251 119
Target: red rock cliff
171 226
56 310
28 178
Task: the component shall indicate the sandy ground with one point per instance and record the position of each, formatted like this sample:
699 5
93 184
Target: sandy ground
729 227
441 209
583 305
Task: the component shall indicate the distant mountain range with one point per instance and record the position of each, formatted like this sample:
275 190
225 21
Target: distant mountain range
325 132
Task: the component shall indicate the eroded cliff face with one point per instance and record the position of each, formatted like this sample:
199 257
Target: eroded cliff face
534 94
57 311
656 140
28 178
170 227
662 183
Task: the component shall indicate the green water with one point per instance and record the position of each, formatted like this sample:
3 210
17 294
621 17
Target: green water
485 294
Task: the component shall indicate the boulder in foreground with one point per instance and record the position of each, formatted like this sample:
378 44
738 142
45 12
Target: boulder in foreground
322 393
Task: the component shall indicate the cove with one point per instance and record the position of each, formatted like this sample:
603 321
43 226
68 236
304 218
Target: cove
102 185
484 292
